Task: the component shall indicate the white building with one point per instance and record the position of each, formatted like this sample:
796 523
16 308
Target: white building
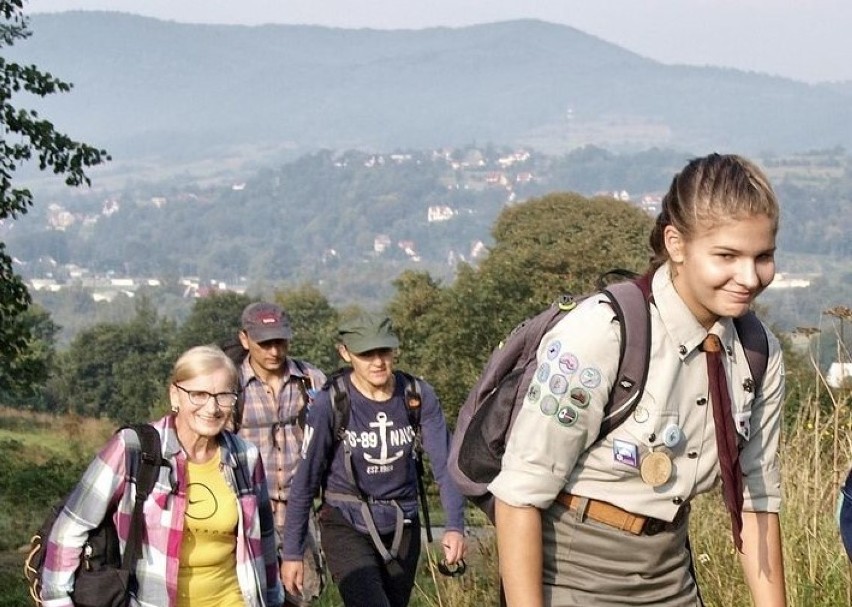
838 373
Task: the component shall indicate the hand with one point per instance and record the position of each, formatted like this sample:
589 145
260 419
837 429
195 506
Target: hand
455 547
292 576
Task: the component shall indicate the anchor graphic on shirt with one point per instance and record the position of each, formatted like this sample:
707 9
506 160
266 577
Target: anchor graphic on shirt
383 424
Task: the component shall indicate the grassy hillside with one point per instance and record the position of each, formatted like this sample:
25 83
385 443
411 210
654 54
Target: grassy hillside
816 451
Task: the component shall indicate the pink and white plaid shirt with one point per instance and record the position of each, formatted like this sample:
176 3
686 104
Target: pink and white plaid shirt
105 482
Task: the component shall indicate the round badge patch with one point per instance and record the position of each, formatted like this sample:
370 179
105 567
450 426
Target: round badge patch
558 384
567 416
590 377
640 414
671 436
534 392
568 363
553 349
543 372
580 397
549 405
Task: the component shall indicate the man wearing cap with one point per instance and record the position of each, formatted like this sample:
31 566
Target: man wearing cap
276 390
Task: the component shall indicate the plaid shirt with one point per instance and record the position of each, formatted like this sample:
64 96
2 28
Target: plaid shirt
105 483
274 426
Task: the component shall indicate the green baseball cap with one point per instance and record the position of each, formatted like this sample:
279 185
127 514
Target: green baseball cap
367 332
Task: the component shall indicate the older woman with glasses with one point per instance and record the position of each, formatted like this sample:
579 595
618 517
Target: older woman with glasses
209 538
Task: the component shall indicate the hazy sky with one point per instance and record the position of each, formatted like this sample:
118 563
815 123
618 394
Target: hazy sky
809 40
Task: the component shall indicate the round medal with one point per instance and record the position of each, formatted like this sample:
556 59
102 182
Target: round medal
656 468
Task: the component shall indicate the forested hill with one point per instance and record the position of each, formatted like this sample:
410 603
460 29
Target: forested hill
145 86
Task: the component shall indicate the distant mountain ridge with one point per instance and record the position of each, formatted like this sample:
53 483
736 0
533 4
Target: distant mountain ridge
144 86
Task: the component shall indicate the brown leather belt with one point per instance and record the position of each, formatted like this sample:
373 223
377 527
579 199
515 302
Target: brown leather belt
608 514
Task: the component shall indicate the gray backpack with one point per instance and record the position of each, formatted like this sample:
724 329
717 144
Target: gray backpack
486 418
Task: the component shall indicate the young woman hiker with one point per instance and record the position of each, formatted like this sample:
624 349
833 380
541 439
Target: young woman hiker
592 523
365 467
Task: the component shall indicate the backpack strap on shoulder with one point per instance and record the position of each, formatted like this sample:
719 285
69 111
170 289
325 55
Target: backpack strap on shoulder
150 460
630 301
413 399
306 388
339 403
242 476
413 402
755 344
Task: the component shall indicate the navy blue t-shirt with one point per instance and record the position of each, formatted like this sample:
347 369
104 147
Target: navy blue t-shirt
380 436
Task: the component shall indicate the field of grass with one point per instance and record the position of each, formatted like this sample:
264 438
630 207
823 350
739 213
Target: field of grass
816 452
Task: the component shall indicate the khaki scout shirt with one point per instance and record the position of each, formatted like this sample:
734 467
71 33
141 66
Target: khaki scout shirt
551 445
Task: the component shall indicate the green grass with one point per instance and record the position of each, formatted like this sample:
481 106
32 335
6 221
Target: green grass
815 454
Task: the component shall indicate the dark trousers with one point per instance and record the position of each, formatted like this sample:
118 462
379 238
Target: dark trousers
361 575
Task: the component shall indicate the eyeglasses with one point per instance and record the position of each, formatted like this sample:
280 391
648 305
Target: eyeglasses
199 398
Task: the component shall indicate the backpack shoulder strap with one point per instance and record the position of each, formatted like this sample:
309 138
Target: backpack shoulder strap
243 474
755 344
629 300
339 403
413 399
150 460
306 386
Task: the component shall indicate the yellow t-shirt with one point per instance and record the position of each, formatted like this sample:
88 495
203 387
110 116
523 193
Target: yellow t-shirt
208 574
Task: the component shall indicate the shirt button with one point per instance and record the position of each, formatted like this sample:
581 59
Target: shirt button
682 350
692 454
677 501
701 402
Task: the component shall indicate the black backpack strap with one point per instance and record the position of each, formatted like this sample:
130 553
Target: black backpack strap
755 343
413 402
340 406
150 460
413 399
630 302
306 385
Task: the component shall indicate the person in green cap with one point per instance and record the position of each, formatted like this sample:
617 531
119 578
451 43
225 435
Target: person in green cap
359 448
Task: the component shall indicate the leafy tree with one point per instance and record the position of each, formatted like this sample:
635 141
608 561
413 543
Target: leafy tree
21 382
25 135
314 326
213 320
557 244
415 309
118 370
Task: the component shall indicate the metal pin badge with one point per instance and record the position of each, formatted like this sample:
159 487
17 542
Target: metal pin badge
671 436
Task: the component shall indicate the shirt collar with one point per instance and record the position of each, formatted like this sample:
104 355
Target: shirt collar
247 371
679 322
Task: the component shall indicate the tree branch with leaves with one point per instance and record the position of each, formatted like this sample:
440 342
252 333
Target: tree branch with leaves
26 137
